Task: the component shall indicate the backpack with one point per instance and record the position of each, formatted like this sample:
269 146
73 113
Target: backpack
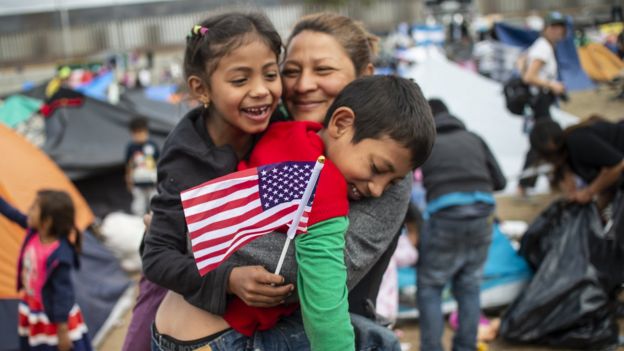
517 95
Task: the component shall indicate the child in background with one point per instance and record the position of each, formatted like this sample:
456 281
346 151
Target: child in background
405 255
141 157
49 318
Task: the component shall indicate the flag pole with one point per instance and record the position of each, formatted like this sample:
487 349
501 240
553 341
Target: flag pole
320 162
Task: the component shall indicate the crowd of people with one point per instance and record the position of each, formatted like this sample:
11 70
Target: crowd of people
322 99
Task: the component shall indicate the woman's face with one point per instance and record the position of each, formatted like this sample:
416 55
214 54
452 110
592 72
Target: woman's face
316 69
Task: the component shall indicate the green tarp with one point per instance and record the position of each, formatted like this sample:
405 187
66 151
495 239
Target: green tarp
18 108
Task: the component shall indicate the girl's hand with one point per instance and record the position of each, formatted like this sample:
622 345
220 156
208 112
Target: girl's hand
257 287
64 342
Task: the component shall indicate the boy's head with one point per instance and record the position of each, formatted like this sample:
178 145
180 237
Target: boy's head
139 130
376 131
438 107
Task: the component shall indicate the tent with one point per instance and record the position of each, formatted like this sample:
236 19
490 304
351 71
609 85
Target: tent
479 103
87 137
99 284
600 63
570 71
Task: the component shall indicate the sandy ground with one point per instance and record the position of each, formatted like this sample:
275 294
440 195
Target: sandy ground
582 104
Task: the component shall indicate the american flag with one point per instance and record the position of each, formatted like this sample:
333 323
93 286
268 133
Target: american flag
228 212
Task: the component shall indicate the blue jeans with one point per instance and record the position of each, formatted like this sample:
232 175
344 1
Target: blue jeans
451 250
289 335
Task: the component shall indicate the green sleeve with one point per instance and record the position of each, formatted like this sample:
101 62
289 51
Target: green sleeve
322 285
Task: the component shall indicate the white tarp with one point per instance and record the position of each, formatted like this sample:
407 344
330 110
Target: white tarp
480 104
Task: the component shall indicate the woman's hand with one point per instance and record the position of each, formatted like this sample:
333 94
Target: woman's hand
64 342
556 87
582 196
257 287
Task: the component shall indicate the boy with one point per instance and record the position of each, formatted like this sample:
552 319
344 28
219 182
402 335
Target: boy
377 130
141 157
459 177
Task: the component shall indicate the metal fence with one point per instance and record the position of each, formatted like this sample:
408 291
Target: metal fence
64 40
166 31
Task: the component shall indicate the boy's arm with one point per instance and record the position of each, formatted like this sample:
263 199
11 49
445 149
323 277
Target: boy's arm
13 213
322 288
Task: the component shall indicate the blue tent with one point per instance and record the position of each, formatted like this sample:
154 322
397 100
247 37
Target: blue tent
570 71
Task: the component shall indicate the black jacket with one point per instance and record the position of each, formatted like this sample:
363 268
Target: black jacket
460 162
188 158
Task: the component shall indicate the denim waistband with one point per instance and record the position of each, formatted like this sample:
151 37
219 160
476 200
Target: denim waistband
169 343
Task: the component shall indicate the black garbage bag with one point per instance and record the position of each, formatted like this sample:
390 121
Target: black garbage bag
570 302
543 233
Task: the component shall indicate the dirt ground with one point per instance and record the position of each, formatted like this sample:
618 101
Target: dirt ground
582 104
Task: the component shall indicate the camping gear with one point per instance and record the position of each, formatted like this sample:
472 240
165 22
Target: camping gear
570 300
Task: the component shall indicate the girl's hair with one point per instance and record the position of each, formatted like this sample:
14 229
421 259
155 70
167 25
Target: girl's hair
360 45
58 206
222 34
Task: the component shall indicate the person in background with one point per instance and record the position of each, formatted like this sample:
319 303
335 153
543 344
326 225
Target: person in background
141 157
49 318
540 72
592 150
460 176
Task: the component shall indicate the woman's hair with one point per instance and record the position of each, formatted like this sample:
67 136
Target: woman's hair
360 45
221 34
58 206
547 138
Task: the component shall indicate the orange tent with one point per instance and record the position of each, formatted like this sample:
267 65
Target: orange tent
600 63
24 170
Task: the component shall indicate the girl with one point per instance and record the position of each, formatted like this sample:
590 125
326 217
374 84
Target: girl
49 318
231 67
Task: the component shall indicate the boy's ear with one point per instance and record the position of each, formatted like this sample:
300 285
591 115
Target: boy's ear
341 121
199 89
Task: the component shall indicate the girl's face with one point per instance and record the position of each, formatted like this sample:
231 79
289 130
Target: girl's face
316 69
33 219
245 88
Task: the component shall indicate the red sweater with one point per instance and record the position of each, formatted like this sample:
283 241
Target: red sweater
290 141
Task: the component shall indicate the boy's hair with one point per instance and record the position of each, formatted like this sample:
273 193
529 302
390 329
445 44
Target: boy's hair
437 106
359 44
138 124
389 106
58 206
226 32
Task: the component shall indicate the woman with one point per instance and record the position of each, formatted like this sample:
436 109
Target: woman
592 150
541 74
324 53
